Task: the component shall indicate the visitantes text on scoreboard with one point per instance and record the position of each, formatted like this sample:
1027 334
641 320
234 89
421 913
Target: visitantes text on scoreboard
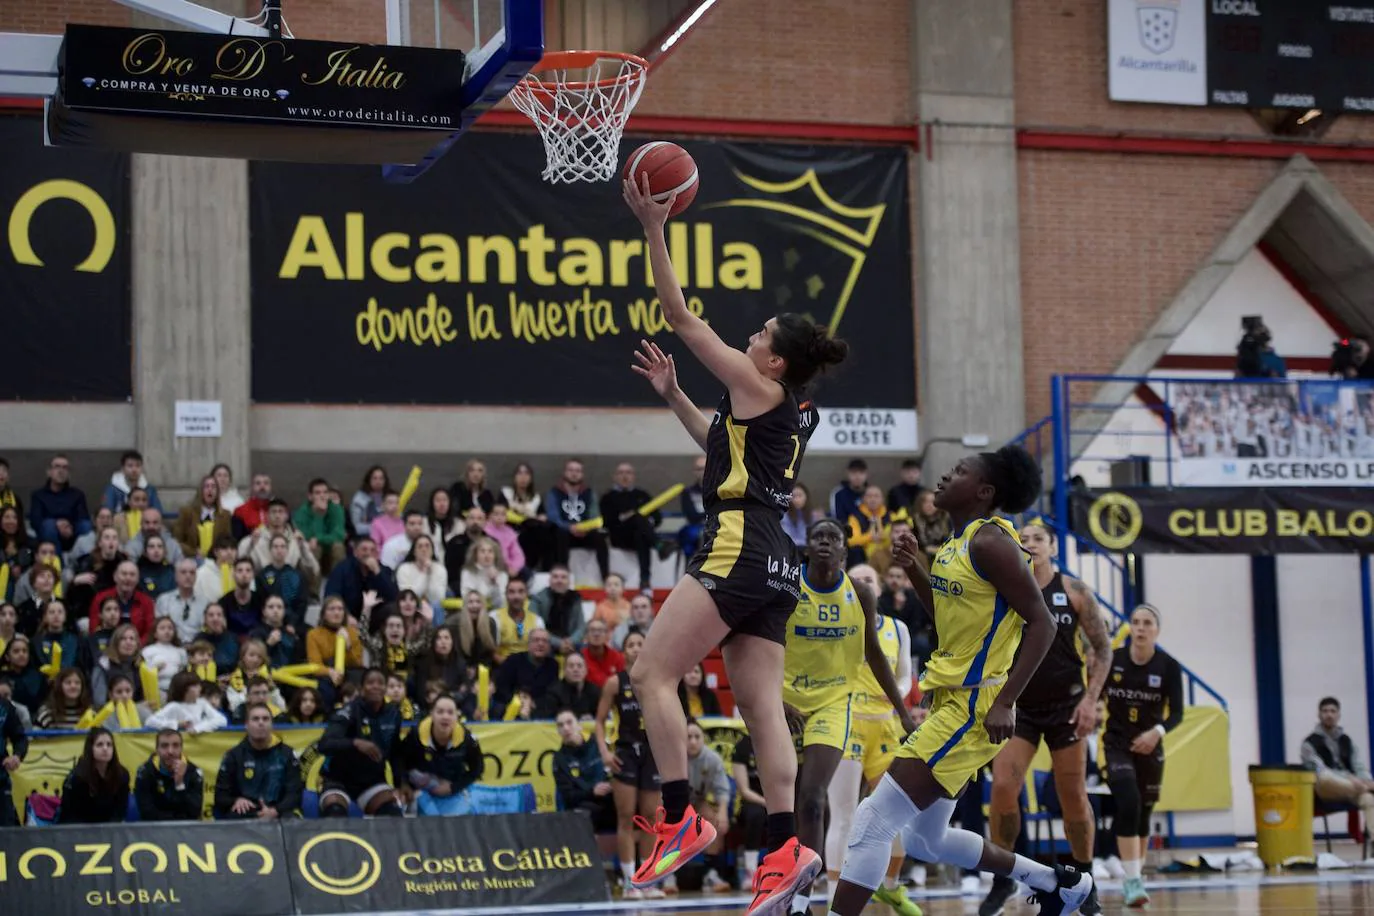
1300 54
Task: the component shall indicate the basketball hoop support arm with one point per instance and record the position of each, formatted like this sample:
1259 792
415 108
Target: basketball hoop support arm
28 63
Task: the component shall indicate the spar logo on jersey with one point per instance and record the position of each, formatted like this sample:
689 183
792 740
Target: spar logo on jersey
951 587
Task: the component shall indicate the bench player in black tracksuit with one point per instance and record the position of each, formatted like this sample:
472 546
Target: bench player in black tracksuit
439 755
359 739
260 777
1144 700
169 787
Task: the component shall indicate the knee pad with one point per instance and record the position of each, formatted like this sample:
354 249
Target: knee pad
879 819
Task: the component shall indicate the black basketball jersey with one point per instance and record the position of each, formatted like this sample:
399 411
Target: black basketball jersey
1138 696
629 717
757 461
1059 679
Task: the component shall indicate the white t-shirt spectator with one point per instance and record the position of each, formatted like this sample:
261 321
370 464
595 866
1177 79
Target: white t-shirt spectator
394 551
431 586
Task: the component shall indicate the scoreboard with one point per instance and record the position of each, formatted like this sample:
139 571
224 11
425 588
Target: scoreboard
1299 54
1290 54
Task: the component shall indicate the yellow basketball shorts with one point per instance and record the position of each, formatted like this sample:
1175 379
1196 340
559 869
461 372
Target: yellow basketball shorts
952 740
874 743
829 725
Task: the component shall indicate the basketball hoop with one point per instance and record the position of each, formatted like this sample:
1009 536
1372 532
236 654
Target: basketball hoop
580 101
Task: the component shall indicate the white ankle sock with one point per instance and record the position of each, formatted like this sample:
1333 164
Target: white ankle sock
1131 867
627 869
751 860
1029 871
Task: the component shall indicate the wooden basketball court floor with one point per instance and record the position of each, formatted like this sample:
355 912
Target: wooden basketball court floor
1325 894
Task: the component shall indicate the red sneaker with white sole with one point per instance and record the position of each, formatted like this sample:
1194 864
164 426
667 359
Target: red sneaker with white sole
781 874
675 845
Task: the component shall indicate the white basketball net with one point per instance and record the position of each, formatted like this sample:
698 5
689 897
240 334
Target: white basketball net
581 117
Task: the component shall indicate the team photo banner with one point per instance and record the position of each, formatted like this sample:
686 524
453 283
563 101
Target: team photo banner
1240 520
1272 434
482 284
64 270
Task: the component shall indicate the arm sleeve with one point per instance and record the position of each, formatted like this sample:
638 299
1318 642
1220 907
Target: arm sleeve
567 791
357 507
293 788
14 733
1357 762
552 507
334 531
191 801
1309 758
1175 695
472 759
121 805
145 790
226 785
720 781
338 734
903 672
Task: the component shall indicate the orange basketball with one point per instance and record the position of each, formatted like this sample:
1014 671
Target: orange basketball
670 168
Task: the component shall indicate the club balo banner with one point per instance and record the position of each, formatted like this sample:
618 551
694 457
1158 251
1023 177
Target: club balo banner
274 869
479 283
1244 520
64 269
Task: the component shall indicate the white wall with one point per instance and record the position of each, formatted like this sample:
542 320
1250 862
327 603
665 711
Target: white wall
1256 287
1322 641
1208 626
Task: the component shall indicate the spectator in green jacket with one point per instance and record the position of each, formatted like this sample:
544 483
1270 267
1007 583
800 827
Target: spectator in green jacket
321 521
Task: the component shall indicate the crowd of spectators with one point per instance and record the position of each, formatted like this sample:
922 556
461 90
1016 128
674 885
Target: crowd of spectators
247 605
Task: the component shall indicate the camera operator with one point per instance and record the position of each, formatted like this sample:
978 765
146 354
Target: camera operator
1255 356
1350 359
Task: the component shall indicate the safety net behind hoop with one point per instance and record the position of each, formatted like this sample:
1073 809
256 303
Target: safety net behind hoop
580 101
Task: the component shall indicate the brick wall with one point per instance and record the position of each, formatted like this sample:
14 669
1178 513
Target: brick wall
1107 242
791 60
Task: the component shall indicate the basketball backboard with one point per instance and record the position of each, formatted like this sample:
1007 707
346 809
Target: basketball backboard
461 58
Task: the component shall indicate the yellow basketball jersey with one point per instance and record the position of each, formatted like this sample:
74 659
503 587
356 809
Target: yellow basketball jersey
869 699
976 629
825 646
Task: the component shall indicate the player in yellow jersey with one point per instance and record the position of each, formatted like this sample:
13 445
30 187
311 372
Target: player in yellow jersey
741 585
874 736
832 639
982 594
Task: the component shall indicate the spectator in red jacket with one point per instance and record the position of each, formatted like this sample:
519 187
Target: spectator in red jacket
252 515
135 607
602 660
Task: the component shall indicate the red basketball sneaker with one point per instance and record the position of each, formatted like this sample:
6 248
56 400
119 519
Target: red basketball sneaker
781 874
675 845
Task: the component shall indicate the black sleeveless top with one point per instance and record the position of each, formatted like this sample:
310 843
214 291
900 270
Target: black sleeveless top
629 717
1139 697
755 463
1059 679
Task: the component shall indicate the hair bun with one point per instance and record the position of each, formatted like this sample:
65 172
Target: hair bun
825 350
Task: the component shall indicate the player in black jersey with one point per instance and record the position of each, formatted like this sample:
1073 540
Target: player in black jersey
741 586
634 778
1057 707
358 740
1144 700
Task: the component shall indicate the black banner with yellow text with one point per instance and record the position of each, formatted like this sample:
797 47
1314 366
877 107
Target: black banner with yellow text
1243 520
481 284
442 863
224 869
64 270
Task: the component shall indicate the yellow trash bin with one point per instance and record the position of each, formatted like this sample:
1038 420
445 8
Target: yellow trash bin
1283 811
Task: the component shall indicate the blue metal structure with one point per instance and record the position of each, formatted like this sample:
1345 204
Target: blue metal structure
1057 443
510 55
